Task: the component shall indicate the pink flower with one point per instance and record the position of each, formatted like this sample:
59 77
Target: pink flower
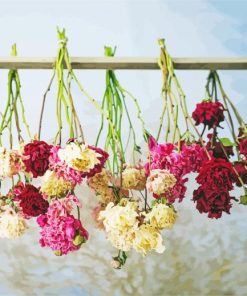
165 157
193 156
60 230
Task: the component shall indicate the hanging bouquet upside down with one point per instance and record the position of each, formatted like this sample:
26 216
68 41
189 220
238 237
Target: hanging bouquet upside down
135 198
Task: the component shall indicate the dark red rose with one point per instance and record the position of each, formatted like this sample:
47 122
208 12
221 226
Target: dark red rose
217 150
243 147
209 113
31 201
212 202
216 174
37 157
241 168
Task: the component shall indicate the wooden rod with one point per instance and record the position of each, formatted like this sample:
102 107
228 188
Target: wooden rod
128 63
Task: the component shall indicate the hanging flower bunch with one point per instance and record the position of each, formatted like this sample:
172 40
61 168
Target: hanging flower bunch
59 169
123 211
211 157
64 167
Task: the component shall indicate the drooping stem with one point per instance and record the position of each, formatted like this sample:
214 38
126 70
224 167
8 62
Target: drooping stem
43 104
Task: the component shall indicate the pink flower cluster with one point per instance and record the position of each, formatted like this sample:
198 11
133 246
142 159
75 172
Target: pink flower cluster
61 231
166 156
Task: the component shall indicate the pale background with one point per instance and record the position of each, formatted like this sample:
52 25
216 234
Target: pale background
203 257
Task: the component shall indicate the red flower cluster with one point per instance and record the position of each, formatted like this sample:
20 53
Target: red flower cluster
213 202
216 174
216 178
30 200
209 113
36 158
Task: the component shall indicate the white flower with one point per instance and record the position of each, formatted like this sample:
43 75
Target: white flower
11 225
148 238
159 181
119 218
79 157
10 162
161 216
134 178
55 186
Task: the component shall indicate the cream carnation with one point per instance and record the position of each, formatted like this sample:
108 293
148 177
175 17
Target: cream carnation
159 181
10 162
11 225
79 157
161 216
119 218
148 238
122 240
55 186
99 182
134 178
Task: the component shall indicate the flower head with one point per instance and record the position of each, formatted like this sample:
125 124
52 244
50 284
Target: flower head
12 225
30 200
213 202
148 238
160 181
209 113
161 216
54 186
134 178
10 162
60 230
216 174
36 159
119 218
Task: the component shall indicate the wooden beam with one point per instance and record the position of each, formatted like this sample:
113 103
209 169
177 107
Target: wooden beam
128 63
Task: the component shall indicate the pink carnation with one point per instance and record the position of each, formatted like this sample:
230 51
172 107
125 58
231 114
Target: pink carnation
193 156
60 228
59 233
164 156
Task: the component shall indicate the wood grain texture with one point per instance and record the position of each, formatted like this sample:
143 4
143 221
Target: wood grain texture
127 63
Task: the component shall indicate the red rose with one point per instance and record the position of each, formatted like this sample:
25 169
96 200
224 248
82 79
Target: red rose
209 113
243 147
37 157
216 174
212 202
241 168
32 202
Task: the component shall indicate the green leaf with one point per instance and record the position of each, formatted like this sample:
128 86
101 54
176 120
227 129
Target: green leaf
78 240
227 142
243 200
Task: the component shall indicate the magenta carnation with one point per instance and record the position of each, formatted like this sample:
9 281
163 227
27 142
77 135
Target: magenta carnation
193 156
